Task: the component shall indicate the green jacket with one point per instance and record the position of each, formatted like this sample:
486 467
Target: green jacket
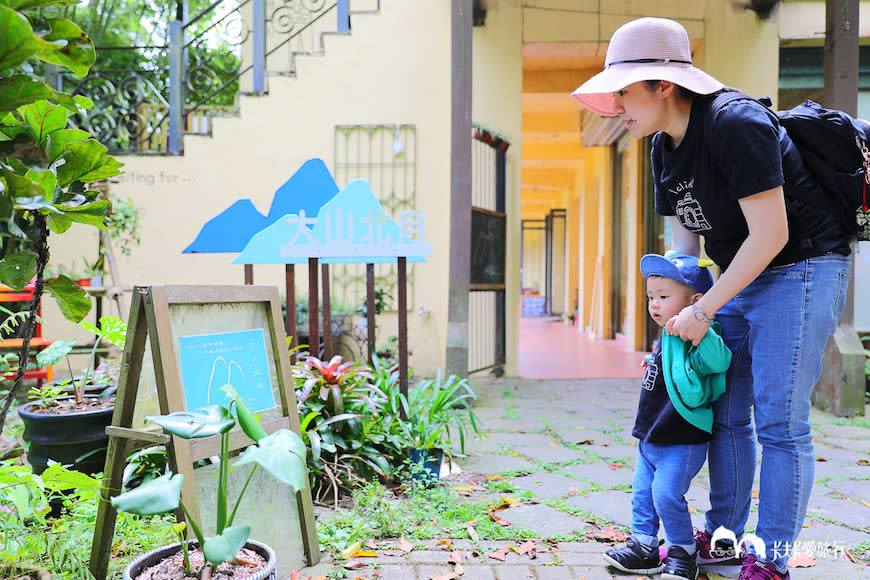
695 375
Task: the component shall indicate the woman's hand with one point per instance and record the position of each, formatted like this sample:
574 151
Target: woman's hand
687 326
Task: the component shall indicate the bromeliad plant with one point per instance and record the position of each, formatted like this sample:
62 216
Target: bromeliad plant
281 454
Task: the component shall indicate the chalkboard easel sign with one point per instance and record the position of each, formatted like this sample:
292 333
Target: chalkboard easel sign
203 337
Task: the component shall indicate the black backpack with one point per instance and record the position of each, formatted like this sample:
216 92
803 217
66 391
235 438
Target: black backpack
834 150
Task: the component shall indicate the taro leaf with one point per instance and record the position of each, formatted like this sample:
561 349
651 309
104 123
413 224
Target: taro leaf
249 422
54 352
111 329
158 496
18 90
282 455
87 162
17 270
57 142
73 302
225 546
202 422
42 119
76 51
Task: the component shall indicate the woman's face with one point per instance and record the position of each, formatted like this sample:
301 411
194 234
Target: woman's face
641 108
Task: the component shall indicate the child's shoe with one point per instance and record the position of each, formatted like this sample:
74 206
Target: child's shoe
635 558
680 565
754 569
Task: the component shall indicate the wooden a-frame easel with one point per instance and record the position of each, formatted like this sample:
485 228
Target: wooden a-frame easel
151 318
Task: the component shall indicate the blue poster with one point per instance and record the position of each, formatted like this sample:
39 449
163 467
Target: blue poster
209 361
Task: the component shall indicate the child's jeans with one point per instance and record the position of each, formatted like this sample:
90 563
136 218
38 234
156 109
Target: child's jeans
661 480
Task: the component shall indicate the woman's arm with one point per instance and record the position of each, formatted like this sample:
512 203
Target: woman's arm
768 233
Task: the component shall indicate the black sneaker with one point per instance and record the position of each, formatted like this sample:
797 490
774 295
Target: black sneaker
679 565
635 558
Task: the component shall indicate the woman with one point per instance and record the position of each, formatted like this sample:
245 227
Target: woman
719 175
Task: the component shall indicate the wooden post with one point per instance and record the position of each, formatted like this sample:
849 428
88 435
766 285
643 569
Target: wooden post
313 314
402 263
370 309
290 316
327 314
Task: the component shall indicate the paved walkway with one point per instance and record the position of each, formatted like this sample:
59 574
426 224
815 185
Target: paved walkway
582 427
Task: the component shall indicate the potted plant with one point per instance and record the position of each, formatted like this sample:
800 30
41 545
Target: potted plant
434 408
72 429
281 454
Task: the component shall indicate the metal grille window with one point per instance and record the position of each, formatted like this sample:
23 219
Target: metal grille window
386 157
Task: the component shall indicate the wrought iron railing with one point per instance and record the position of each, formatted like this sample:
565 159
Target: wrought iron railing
231 47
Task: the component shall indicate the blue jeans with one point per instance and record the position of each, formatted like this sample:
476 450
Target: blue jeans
658 490
776 329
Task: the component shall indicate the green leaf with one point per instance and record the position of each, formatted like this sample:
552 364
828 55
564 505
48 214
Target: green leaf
25 190
42 119
29 4
158 496
202 422
58 222
57 142
17 270
111 329
18 90
76 51
281 454
248 421
73 302
92 214
19 42
225 546
87 162
54 352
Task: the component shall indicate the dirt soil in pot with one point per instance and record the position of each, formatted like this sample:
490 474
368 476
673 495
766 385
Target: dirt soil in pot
247 563
64 406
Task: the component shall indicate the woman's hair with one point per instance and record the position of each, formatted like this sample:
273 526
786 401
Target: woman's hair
682 91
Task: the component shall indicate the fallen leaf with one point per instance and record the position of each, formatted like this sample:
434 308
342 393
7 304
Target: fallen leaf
496 519
615 466
364 554
755 494
850 556
405 545
499 555
573 490
554 444
455 557
388 553
463 489
864 462
820 459
585 442
448 576
295 575
354 565
865 503
348 552
508 502
492 478
468 523
692 510
472 533
444 543
375 574
610 534
528 547
371 544
801 560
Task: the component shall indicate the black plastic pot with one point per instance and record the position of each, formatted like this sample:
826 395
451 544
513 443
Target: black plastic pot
430 462
77 439
269 572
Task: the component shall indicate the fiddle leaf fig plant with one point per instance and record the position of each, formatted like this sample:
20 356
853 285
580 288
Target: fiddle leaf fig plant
45 166
281 454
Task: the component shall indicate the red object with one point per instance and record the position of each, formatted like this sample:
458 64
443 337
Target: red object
83 282
37 343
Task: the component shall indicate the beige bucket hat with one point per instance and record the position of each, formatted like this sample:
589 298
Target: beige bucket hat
643 50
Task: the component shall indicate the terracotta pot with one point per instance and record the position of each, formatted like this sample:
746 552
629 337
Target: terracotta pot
269 572
78 439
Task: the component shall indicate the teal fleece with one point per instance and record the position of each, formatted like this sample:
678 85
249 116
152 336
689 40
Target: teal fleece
695 375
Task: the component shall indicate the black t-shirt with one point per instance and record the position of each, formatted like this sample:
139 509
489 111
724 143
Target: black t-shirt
657 420
748 152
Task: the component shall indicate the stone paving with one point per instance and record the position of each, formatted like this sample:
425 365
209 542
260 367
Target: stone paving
569 443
